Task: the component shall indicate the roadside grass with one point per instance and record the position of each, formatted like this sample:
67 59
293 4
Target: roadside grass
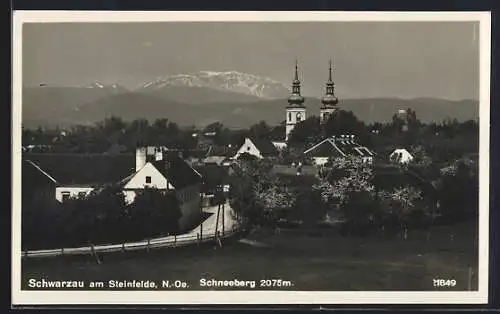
330 262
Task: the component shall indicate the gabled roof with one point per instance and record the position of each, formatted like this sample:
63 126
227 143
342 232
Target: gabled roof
222 151
35 166
338 147
265 147
84 169
215 160
388 178
213 176
178 172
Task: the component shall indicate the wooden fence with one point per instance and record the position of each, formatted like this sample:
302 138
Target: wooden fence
164 242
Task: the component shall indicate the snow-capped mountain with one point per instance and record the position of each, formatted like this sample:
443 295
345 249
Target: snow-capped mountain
99 85
230 81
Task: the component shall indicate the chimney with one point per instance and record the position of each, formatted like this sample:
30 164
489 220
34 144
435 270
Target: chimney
140 158
159 155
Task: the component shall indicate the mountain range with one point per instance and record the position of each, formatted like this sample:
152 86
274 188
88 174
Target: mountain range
238 100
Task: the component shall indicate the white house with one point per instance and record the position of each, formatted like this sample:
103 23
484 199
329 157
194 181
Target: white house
401 155
340 146
77 175
168 172
260 148
280 145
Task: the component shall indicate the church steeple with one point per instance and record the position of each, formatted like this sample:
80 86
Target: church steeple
329 100
295 111
296 98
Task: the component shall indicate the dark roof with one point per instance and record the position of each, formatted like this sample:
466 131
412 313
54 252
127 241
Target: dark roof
223 151
265 146
388 178
213 176
338 147
70 169
34 178
178 172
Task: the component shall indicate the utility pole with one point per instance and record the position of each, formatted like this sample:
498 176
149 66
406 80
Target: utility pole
217 199
201 218
223 208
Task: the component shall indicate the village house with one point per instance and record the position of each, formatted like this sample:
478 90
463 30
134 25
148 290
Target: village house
338 146
219 155
215 179
401 155
166 171
260 148
76 175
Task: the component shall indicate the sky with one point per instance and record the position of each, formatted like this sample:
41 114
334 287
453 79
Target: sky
371 59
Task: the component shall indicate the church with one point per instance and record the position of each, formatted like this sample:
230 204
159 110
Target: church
296 112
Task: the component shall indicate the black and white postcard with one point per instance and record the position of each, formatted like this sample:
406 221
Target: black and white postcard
250 157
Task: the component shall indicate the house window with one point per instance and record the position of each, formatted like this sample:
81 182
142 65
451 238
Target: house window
290 116
148 179
82 194
248 148
65 196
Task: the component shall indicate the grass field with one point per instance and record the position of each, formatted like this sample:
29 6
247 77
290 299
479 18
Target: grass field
328 262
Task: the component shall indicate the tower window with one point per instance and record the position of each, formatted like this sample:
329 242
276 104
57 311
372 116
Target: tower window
148 179
65 196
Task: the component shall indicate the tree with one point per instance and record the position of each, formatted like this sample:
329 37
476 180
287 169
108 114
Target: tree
459 190
402 206
420 157
306 133
345 122
246 195
345 185
276 201
155 212
260 130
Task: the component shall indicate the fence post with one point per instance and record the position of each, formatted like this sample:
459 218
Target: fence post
175 240
62 251
93 252
217 238
26 253
149 240
123 247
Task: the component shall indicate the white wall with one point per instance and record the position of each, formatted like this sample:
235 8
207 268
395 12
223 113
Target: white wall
280 145
291 118
189 201
138 182
249 148
318 161
325 113
368 160
406 157
73 191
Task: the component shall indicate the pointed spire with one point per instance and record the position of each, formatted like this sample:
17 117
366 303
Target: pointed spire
296 99
330 71
329 99
296 78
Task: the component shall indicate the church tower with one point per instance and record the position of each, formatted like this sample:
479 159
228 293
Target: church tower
295 110
329 101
